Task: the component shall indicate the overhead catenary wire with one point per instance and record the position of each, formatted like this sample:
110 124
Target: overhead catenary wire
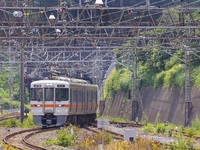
56 40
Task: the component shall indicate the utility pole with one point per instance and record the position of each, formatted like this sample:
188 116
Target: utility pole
22 79
11 73
188 102
11 86
18 15
135 99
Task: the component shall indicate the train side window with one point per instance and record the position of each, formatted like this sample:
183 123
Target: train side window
62 94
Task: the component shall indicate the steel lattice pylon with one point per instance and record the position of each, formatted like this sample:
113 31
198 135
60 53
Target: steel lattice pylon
82 38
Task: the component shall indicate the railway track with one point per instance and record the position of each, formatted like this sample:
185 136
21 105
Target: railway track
19 139
96 131
123 124
115 134
24 135
9 116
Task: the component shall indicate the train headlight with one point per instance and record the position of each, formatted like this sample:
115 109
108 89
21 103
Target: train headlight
49 84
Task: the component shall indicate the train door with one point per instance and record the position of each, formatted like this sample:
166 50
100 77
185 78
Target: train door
78 106
94 101
70 100
76 100
86 101
49 100
61 100
89 100
80 101
73 101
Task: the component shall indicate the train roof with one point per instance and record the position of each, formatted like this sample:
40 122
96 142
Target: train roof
61 80
47 81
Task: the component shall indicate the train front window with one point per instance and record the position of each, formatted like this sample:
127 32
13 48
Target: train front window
36 94
62 94
49 94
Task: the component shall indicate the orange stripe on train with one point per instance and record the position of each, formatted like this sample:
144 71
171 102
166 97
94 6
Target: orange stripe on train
65 105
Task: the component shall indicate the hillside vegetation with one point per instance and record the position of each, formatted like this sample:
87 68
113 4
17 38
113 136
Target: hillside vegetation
156 66
157 69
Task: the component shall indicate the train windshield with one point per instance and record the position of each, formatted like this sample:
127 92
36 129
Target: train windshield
48 94
36 94
62 94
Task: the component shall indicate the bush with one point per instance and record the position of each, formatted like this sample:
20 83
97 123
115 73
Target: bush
90 142
172 75
144 119
87 144
195 76
11 123
190 132
160 128
150 128
119 80
28 122
65 139
196 123
181 144
159 79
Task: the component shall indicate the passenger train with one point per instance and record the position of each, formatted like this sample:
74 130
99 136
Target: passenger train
57 101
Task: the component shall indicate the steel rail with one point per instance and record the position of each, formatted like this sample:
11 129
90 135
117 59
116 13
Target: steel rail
5 140
32 134
9 116
24 140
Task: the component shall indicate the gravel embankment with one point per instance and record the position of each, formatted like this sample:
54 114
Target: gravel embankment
39 139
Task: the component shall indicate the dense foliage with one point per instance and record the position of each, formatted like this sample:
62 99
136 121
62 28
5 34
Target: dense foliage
155 68
119 80
5 90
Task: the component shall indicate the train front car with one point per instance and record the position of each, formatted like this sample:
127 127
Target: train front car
49 102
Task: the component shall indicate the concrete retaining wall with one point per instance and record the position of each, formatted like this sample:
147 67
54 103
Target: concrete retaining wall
168 103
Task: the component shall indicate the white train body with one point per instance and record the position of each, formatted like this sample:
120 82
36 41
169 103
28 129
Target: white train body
54 102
